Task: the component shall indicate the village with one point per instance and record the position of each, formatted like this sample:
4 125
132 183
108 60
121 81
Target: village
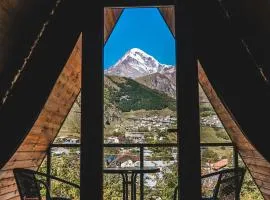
157 130
143 130
212 121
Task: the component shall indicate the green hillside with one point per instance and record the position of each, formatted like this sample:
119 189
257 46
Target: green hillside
128 95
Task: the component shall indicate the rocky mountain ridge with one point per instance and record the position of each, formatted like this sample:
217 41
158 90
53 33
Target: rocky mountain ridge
137 63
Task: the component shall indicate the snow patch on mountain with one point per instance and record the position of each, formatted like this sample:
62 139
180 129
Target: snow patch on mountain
137 63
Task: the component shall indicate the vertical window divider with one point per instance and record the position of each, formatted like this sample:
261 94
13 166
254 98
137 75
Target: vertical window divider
188 123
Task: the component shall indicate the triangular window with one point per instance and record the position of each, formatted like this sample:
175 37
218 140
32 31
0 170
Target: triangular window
140 103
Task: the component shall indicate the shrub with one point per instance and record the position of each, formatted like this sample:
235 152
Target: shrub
209 154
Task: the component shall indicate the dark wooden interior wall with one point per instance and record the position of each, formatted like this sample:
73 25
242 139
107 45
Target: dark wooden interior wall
33 149
35 74
18 30
258 166
233 72
25 126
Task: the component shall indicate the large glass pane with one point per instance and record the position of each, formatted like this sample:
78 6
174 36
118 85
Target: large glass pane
212 130
140 103
139 82
216 158
161 185
118 157
70 132
65 159
65 164
249 188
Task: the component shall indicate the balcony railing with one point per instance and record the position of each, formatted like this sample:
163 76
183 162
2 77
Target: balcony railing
141 155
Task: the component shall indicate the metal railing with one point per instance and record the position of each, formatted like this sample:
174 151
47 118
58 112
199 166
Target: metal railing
141 147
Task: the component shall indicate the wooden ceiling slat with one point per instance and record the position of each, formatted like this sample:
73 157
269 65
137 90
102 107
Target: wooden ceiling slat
110 18
40 139
11 182
8 185
247 153
259 162
39 146
14 198
21 156
5 174
169 16
266 197
9 195
8 189
33 147
262 177
7 181
37 129
265 190
41 130
21 164
262 184
259 169
8 173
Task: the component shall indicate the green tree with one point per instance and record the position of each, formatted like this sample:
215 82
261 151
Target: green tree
209 154
112 185
66 167
249 190
165 186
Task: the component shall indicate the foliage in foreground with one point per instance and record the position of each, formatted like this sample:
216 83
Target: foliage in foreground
66 167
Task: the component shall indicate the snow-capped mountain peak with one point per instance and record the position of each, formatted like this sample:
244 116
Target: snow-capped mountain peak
137 50
136 63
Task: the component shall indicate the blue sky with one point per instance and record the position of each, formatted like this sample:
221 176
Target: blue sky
142 28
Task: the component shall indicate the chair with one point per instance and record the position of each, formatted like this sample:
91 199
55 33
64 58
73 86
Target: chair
29 185
227 184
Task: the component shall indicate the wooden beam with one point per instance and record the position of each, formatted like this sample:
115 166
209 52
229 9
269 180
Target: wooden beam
168 15
8 189
7 181
15 198
111 16
92 105
189 170
9 195
140 3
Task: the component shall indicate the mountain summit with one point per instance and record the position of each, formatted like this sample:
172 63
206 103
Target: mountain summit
136 63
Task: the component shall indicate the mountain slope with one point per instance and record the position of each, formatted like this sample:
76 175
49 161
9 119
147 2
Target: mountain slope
166 83
160 82
128 95
136 63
